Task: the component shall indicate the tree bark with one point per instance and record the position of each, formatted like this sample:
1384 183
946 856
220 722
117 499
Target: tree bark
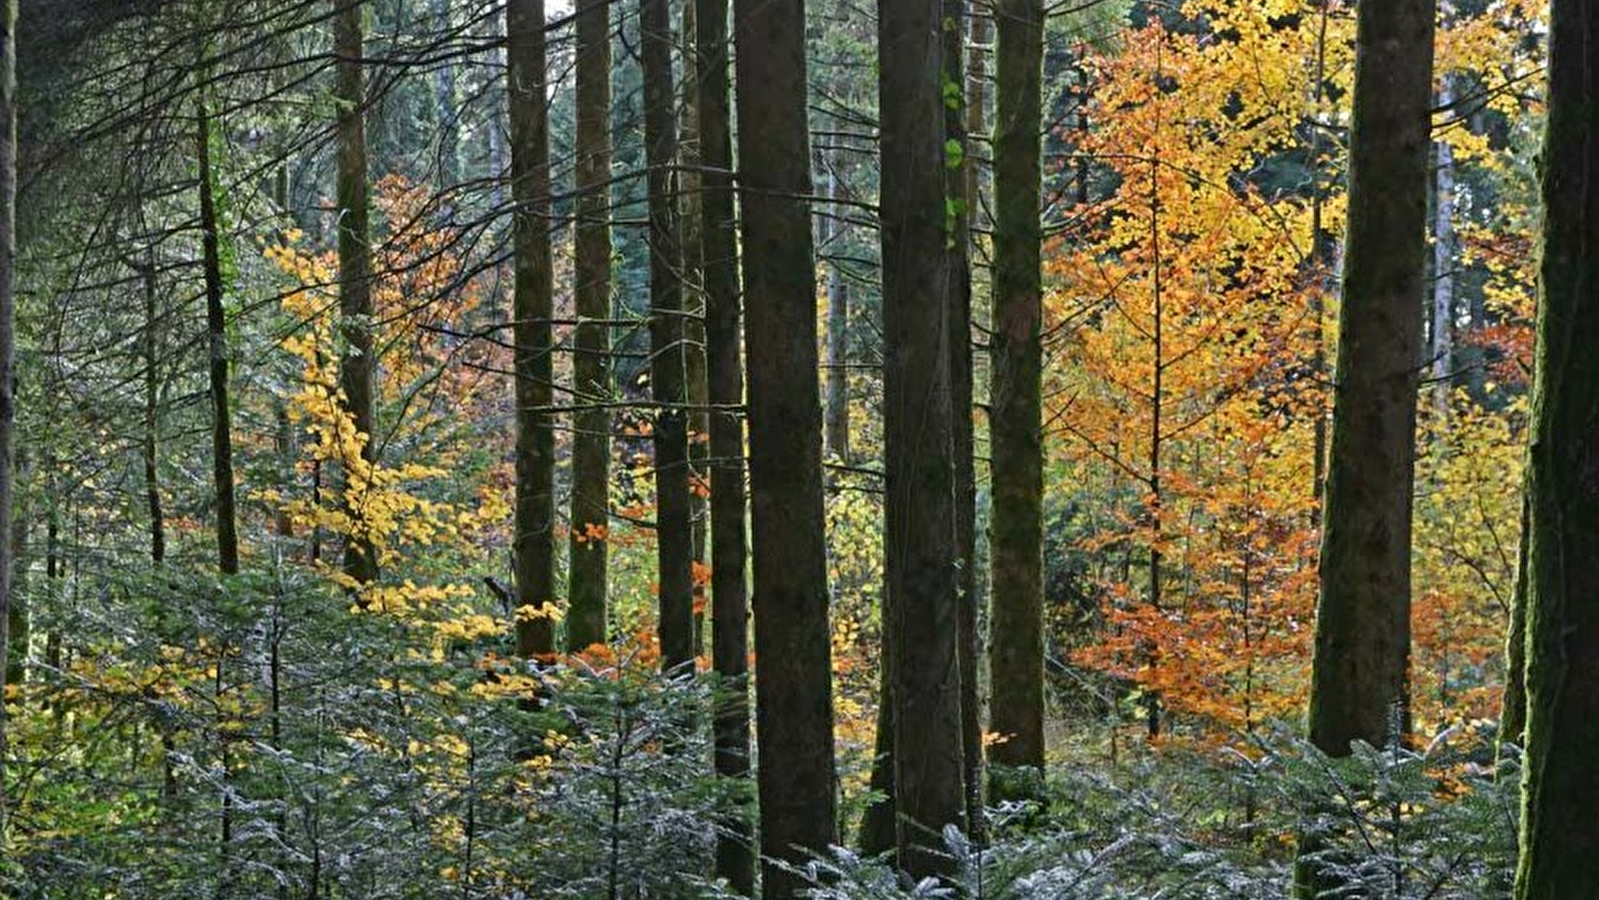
1559 842
227 527
1513 706
692 218
357 368
922 543
586 621
1016 643
533 545
836 418
958 165
8 398
1363 623
735 852
150 440
794 696
674 530
1443 268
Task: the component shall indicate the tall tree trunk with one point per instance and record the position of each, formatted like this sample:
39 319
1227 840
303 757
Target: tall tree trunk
150 440
586 621
794 693
8 381
1016 642
836 419
958 164
1443 267
533 546
735 852
1321 262
1363 623
922 543
227 528
1559 842
674 530
356 365
1360 670
227 535
692 221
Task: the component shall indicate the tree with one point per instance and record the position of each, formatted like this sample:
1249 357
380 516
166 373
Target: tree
8 255
794 694
735 858
960 199
227 528
921 518
1359 673
587 587
357 367
533 541
1560 787
1016 644
674 530
1358 679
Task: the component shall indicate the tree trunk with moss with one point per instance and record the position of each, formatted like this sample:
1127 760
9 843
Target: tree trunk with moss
8 255
1513 706
588 554
958 164
212 258
1363 624
533 541
794 694
674 530
921 512
356 364
1362 651
735 851
590 505
1016 645
1559 838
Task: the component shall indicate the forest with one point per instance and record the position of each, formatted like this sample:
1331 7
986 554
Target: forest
700 450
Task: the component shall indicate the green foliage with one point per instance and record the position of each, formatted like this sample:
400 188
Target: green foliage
1393 824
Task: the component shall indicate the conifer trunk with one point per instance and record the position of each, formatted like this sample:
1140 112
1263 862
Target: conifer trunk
836 417
668 379
794 696
586 621
1443 267
1363 622
1559 840
150 346
958 166
357 368
227 529
690 188
8 255
735 852
533 544
1016 533
922 540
